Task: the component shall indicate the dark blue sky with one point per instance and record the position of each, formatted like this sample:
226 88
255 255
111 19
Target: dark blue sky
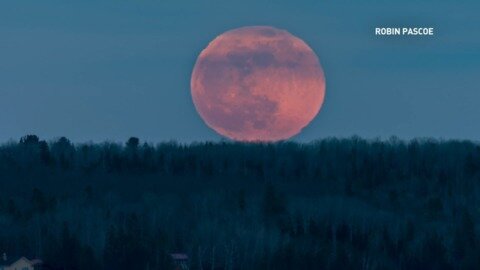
107 70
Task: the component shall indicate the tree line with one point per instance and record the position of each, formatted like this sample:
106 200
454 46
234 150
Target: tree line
330 204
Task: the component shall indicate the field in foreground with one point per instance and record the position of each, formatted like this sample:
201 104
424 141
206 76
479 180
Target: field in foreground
330 204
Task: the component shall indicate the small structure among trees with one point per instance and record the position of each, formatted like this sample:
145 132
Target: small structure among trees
22 263
180 261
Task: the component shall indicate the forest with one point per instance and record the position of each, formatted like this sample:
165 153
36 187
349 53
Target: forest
334 203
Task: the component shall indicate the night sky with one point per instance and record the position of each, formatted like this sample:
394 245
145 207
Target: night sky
107 70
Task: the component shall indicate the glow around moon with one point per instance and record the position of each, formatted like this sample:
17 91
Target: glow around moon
257 83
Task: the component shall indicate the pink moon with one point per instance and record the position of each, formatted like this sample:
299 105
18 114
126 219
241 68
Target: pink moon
257 83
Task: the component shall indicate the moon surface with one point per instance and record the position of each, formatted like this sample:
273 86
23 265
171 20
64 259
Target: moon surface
257 83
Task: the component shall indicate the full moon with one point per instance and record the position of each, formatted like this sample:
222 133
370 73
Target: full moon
257 83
